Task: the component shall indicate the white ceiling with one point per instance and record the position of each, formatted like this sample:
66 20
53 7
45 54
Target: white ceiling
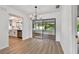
29 9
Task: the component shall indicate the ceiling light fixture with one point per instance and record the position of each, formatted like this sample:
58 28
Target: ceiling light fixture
35 13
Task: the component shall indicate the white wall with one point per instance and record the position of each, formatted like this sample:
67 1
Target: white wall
68 33
27 28
3 28
56 15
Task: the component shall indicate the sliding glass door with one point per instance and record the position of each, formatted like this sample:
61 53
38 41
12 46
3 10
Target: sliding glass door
44 28
37 29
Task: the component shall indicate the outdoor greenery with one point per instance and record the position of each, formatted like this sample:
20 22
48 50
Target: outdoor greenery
78 27
44 26
77 24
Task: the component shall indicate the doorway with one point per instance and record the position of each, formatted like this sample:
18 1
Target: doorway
44 28
15 26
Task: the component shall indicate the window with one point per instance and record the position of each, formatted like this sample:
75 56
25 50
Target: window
45 26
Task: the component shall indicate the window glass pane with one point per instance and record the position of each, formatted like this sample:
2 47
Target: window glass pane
77 26
46 26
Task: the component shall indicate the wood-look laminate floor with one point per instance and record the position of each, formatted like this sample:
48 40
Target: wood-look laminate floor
32 46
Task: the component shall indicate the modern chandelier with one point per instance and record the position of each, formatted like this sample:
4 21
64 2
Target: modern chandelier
34 15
